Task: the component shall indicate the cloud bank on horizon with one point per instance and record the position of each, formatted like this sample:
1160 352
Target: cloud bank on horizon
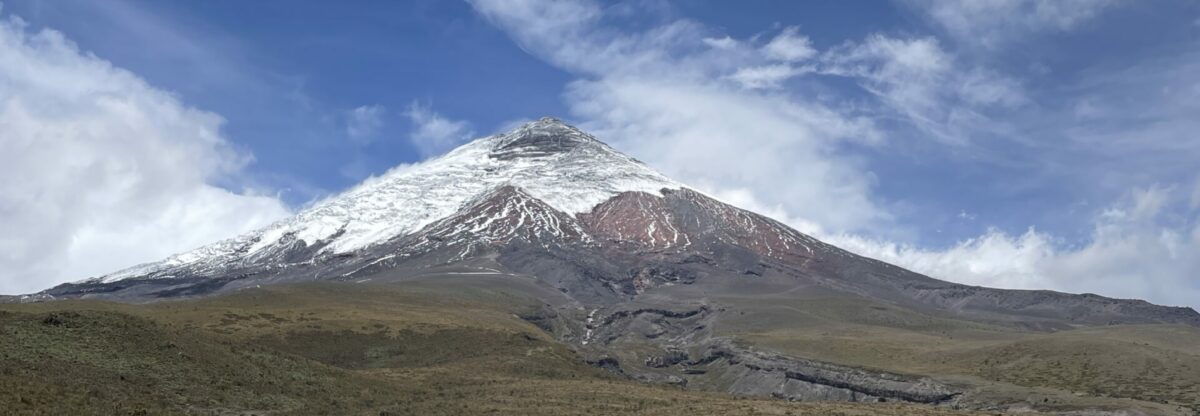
100 170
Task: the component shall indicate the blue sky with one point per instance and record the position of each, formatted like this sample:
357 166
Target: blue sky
1012 143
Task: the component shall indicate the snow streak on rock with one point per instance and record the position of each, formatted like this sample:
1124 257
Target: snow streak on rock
638 218
739 227
500 216
679 219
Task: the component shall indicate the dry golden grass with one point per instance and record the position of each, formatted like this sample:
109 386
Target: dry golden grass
328 349
1141 365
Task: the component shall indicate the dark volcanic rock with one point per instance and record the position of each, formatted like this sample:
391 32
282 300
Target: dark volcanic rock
531 143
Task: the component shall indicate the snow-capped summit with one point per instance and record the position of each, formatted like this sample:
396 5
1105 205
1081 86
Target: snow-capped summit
556 163
544 137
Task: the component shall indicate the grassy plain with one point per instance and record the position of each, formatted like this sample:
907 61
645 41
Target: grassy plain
317 349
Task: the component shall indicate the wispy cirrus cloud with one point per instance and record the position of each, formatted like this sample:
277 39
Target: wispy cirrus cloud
789 46
733 117
433 133
994 23
669 94
766 76
923 83
363 122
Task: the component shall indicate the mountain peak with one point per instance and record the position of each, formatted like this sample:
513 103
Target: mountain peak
546 136
549 120
550 161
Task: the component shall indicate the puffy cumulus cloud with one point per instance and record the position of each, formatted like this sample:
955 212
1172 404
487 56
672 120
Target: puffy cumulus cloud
1147 246
992 23
665 94
364 122
100 171
994 259
433 133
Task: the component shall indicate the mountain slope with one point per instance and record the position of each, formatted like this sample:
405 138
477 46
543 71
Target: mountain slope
639 274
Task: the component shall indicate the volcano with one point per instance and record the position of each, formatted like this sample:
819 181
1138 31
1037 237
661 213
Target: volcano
636 272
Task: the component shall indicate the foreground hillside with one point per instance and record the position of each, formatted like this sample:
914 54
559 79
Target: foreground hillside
428 348
328 349
1151 368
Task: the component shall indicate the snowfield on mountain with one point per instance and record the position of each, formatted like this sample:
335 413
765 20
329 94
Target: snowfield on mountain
555 163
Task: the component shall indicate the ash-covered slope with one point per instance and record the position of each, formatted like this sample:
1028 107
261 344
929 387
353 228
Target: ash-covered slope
636 271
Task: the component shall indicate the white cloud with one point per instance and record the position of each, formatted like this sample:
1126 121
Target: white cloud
765 77
789 46
728 42
1135 251
992 23
672 96
434 134
688 103
980 87
571 35
1129 126
922 82
701 134
993 259
782 56
364 122
663 95
100 171
1194 202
